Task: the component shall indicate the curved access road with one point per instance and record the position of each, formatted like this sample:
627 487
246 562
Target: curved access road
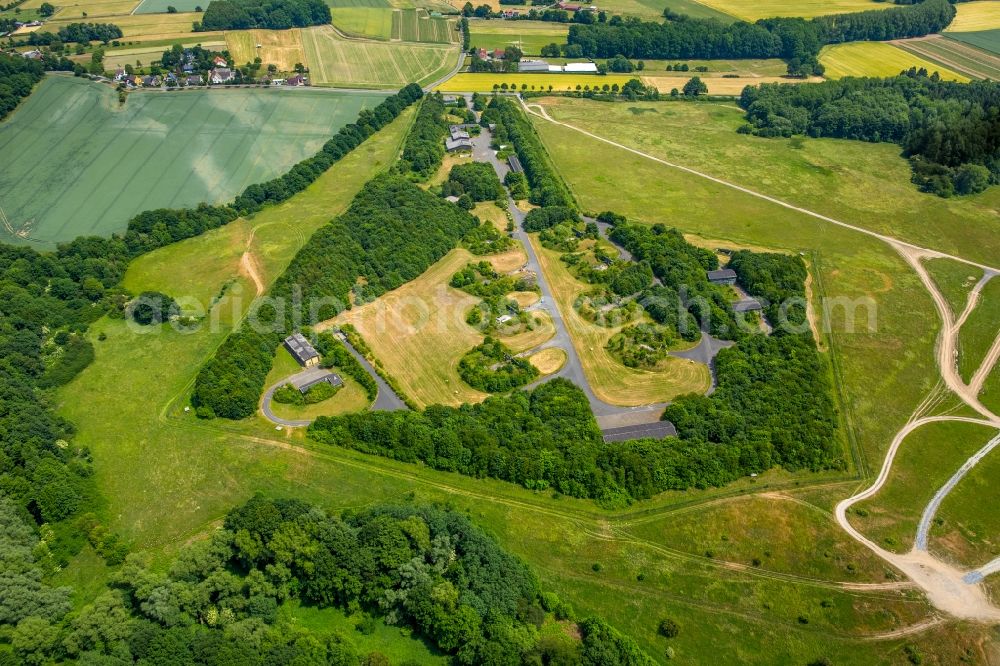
949 589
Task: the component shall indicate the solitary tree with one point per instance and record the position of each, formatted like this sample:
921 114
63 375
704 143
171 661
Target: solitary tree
695 87
46 9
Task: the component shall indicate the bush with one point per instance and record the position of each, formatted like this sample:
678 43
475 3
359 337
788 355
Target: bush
668 628
152 308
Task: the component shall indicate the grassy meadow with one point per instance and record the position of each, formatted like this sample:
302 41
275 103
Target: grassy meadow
980 330
652 10
282 48
877 59
78 164
966 530
416 25
338 62
861 183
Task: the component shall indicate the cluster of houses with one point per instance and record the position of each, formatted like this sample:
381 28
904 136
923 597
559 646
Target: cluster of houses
459 139
220 74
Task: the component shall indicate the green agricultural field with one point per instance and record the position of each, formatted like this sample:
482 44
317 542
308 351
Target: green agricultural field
876 59
77 164
967 529
160 6
652 10
976 16
980 330
373 22
169 477
531 36
988 40
416 25
334 61
485 81
955 55
752 11
882 374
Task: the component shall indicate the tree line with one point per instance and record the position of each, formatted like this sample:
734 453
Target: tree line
512 127
266 14
423 149
949 131
796 40
391 233
219 602
81 33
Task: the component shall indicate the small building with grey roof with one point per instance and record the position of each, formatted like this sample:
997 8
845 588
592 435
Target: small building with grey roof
300 349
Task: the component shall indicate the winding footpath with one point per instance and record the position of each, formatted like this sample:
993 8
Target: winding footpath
949 589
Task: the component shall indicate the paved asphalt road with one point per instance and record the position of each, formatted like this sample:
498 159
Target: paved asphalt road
386 401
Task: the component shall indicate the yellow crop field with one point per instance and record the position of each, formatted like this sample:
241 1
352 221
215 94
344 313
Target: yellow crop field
95 10
282 48
718 85
976 16
146 27
876 59
484 82
752 11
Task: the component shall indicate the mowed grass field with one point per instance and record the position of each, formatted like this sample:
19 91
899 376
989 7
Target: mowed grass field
531 36
752 11
611 381
956 55
877 59
169 478
77 164
976 16
419 334
372 22
334 61
277 47
416 25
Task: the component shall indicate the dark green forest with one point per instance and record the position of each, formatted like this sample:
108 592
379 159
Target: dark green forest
367 251
269 14
476 179
796 40
423 568
424 146
949 131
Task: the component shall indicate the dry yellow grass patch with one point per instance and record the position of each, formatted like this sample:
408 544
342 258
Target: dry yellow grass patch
524 298
488 212
548 360
508 261
611 381
718 85
282 48
542 332
419 333
447 163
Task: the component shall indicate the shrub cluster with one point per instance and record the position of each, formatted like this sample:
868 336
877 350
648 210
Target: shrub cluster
477 179
492 367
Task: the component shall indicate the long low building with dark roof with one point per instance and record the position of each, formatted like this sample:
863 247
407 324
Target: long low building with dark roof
301 350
